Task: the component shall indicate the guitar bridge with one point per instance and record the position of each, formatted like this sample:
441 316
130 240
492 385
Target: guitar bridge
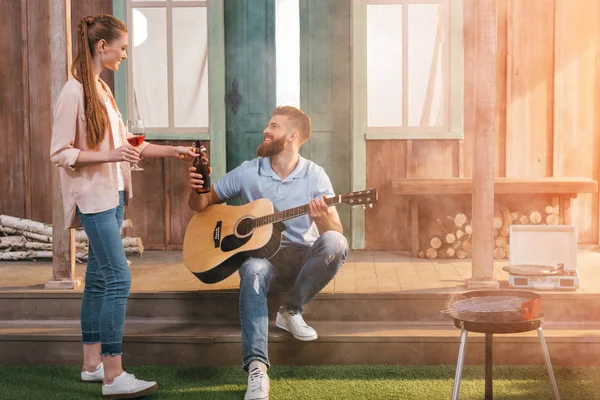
217 235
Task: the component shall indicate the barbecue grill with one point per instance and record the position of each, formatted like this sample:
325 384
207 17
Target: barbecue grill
497 311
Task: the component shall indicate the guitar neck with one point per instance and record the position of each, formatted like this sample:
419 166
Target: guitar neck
291 213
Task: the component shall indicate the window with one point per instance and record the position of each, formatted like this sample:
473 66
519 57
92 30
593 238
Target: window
168 67
414 69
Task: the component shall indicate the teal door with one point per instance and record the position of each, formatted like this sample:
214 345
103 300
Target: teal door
325 90
324 83
249 75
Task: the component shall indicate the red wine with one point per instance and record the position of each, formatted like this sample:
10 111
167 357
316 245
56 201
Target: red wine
136 140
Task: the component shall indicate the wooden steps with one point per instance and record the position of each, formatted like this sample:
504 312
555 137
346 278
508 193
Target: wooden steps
172 320
200 328
222 306
180 342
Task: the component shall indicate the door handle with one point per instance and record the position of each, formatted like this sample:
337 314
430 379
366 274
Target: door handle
233 97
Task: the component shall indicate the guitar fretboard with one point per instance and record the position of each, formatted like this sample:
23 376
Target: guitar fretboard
291 213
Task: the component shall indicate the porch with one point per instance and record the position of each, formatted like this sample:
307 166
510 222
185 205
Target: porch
382 308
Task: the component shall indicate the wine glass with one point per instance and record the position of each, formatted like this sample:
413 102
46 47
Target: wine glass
136 136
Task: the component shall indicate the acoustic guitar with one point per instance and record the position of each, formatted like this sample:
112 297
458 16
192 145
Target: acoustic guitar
221 237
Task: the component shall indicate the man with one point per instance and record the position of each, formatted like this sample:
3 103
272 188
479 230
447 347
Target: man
313 247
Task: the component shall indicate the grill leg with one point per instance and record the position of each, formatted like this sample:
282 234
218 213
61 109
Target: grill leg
548 363
459 364
489 345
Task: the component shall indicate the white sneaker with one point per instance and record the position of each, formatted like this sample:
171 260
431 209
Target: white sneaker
125 386
259 385
96 376
294 324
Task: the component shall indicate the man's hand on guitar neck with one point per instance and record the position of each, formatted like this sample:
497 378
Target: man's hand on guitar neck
326 218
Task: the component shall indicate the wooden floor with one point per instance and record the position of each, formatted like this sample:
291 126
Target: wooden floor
364 272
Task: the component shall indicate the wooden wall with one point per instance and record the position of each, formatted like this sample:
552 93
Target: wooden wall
12 137
159 209
547 124
25 107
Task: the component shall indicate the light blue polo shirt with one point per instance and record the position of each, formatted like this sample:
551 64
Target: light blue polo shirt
256 179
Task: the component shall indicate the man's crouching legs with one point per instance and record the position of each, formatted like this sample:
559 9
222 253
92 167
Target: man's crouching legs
326 257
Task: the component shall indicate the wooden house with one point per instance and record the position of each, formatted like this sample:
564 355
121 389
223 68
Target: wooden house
391 86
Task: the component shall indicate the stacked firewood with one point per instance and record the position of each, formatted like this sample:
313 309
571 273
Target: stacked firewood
22 239
455 240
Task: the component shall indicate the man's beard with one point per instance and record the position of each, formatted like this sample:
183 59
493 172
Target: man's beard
272 148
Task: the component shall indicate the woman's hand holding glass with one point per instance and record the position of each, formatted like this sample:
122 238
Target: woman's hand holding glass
126 153
137 134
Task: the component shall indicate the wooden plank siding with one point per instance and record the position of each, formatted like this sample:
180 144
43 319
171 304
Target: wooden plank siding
547 96
465 155
25 110
529 88
13 152
386 223
576 100
39 189
501 48
176 196
159 209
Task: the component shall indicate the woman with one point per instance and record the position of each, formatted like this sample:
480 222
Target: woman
89 142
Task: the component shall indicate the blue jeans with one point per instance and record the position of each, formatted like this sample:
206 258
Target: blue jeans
107 281
302 271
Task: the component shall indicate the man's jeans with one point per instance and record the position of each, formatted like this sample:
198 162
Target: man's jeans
302 271
107 280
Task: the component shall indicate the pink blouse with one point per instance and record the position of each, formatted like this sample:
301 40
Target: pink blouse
94 188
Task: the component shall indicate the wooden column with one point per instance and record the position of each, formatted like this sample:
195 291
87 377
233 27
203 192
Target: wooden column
483 160
63 241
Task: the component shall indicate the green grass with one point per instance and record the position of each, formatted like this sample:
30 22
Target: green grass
319 382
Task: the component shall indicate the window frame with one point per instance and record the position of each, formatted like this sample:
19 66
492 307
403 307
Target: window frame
453 127
216 93
170 132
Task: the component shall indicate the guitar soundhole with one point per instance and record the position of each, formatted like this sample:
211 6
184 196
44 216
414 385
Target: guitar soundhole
245 227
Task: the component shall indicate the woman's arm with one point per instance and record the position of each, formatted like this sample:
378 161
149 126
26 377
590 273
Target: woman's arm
63 152
124 153
129 153
156 150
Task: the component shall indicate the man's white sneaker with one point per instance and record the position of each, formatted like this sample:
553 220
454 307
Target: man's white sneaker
96 376
125 386
294 324
259 385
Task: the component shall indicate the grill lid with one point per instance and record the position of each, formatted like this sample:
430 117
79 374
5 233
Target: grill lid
495 306
487 304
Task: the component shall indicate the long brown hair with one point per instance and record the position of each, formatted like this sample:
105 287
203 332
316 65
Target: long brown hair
90 31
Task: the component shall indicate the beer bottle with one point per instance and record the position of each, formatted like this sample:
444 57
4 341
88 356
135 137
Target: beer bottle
201 166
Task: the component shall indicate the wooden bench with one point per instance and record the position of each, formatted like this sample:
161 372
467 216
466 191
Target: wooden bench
562 190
